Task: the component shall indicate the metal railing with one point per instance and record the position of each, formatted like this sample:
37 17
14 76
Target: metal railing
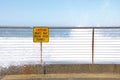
66 43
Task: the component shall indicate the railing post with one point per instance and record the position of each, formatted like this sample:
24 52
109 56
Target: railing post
93 45
44 68
41 52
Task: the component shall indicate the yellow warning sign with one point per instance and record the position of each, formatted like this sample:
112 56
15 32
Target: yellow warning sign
40 34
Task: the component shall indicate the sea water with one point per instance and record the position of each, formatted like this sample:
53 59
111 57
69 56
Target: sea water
65 46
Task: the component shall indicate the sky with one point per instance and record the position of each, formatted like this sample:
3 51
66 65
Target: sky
59 12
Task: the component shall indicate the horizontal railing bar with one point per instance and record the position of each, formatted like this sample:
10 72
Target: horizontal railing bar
37 44
65 27
68 33
67 36
71 47
71 57
61 52
62 37
56 57
62 48
83 54
67 57
18 27
96 44
97 32
79 56
55 40
57 52
106 32
103 27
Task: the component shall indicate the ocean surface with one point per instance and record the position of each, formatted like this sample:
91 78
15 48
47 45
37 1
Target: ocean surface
65 46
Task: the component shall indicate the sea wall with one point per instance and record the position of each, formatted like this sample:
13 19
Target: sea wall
82 68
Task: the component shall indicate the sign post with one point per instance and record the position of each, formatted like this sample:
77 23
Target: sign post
40 34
